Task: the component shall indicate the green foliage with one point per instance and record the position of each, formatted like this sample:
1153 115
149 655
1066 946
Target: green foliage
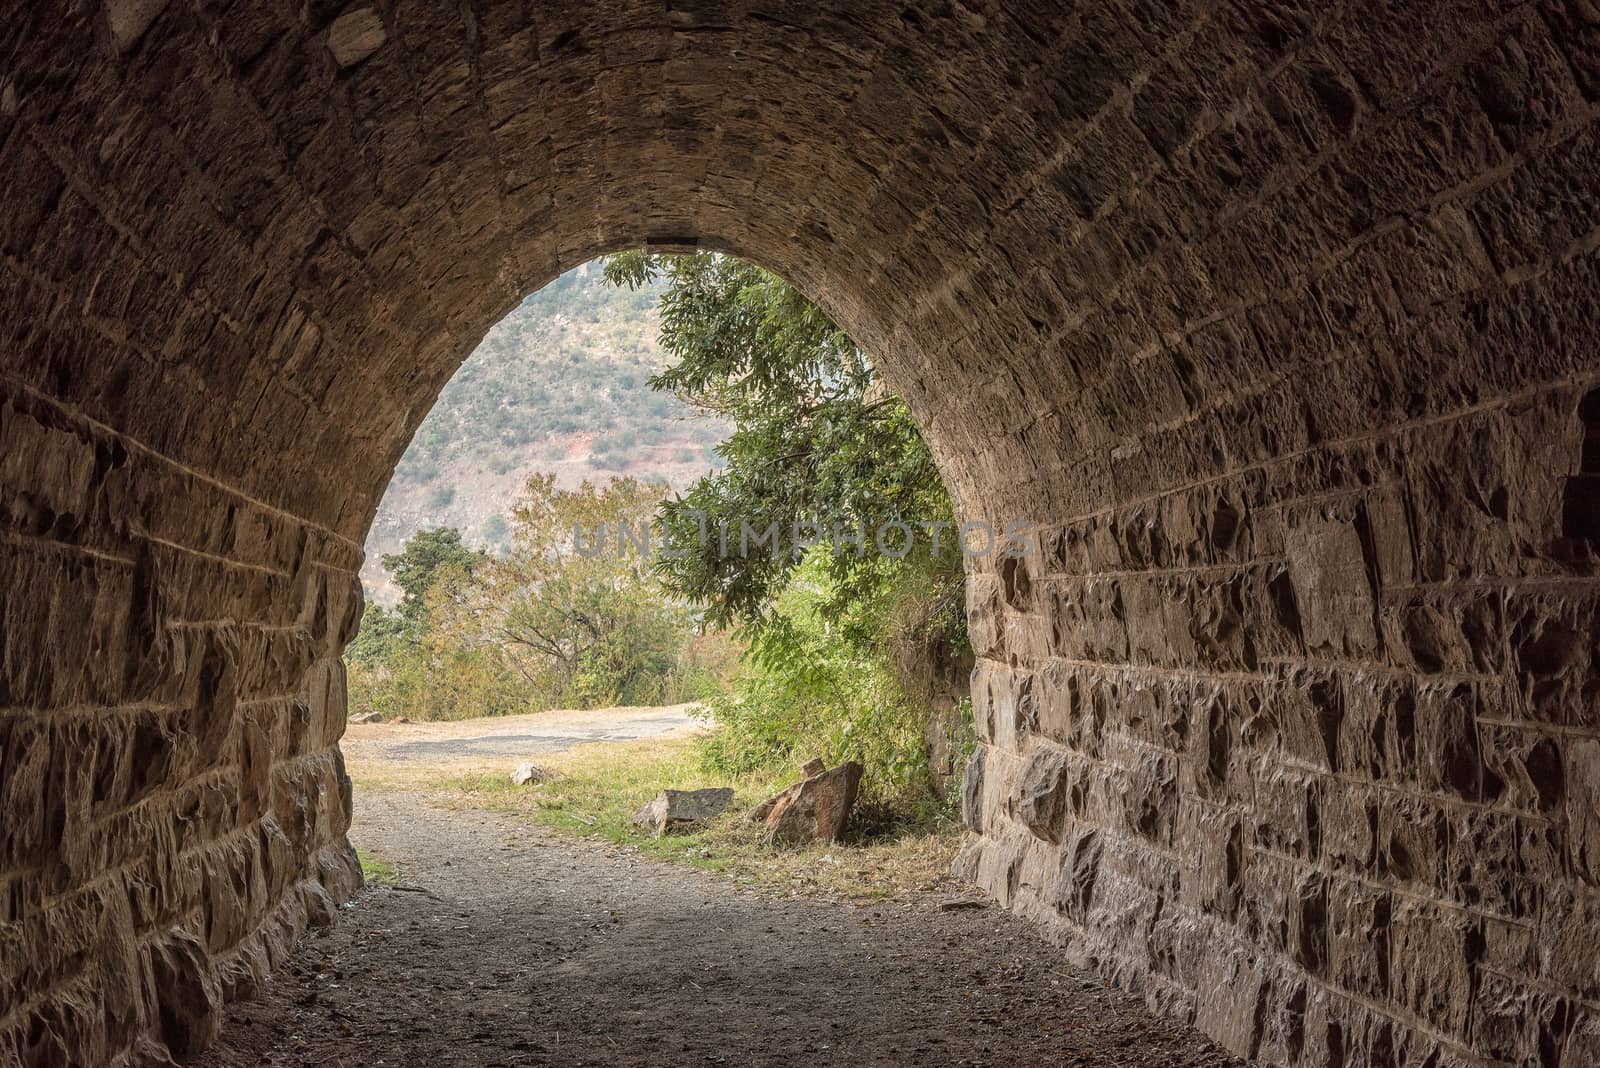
817 446
426 558
586 629
381 633
808 690
401 664
434 680
845 640
542 627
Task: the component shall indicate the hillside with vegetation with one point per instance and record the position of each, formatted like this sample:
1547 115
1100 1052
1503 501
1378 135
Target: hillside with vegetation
560 386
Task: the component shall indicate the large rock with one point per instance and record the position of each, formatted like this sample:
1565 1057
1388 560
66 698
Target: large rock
814 809
1042 804
681 810
813 767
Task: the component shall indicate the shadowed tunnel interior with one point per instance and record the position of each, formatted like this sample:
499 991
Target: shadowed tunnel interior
1276 320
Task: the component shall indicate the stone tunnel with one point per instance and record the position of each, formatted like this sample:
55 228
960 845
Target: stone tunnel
1275 321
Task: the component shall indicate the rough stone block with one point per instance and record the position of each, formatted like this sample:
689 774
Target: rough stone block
1332 586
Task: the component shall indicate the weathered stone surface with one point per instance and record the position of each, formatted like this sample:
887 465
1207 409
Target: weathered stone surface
682 810
812 767
129 19
1042 797
815 809
972 791
528 774
1278 324
355 35
189 1004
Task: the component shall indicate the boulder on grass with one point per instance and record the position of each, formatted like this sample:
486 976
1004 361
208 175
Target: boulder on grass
529 774
367 717
815 809
681 810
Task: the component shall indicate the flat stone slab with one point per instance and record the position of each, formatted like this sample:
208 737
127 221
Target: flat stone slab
681 810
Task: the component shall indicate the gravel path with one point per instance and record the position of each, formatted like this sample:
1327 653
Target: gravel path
512 947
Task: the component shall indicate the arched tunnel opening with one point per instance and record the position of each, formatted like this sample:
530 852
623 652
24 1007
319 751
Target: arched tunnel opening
514 798
1276 321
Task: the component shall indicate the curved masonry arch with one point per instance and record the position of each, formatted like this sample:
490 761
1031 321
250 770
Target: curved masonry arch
1276 319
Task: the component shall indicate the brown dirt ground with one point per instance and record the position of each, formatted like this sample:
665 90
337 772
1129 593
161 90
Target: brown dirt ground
504 945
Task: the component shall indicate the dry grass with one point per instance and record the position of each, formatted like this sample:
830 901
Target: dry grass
596 788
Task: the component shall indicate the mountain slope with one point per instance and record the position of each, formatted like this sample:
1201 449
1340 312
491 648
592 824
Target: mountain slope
559 385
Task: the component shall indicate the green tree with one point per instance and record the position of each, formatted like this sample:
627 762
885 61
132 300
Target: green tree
574 604
818 444
805 691
419 564
401 665
381 632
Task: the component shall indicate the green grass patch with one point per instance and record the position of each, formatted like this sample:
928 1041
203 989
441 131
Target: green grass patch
596 789
376 870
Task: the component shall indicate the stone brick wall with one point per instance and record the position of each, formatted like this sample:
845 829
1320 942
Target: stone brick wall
1276 319
171 695
1310 752
1292 720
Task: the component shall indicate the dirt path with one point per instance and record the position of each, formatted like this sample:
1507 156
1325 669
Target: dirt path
437 744
519 948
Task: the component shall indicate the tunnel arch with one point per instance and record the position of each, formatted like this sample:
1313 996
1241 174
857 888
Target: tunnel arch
1276 319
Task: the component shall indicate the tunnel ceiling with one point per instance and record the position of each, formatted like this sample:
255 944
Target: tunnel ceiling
1278 319
304 219
299 218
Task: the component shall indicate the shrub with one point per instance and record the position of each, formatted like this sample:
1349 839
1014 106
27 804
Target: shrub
807 689
422 683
